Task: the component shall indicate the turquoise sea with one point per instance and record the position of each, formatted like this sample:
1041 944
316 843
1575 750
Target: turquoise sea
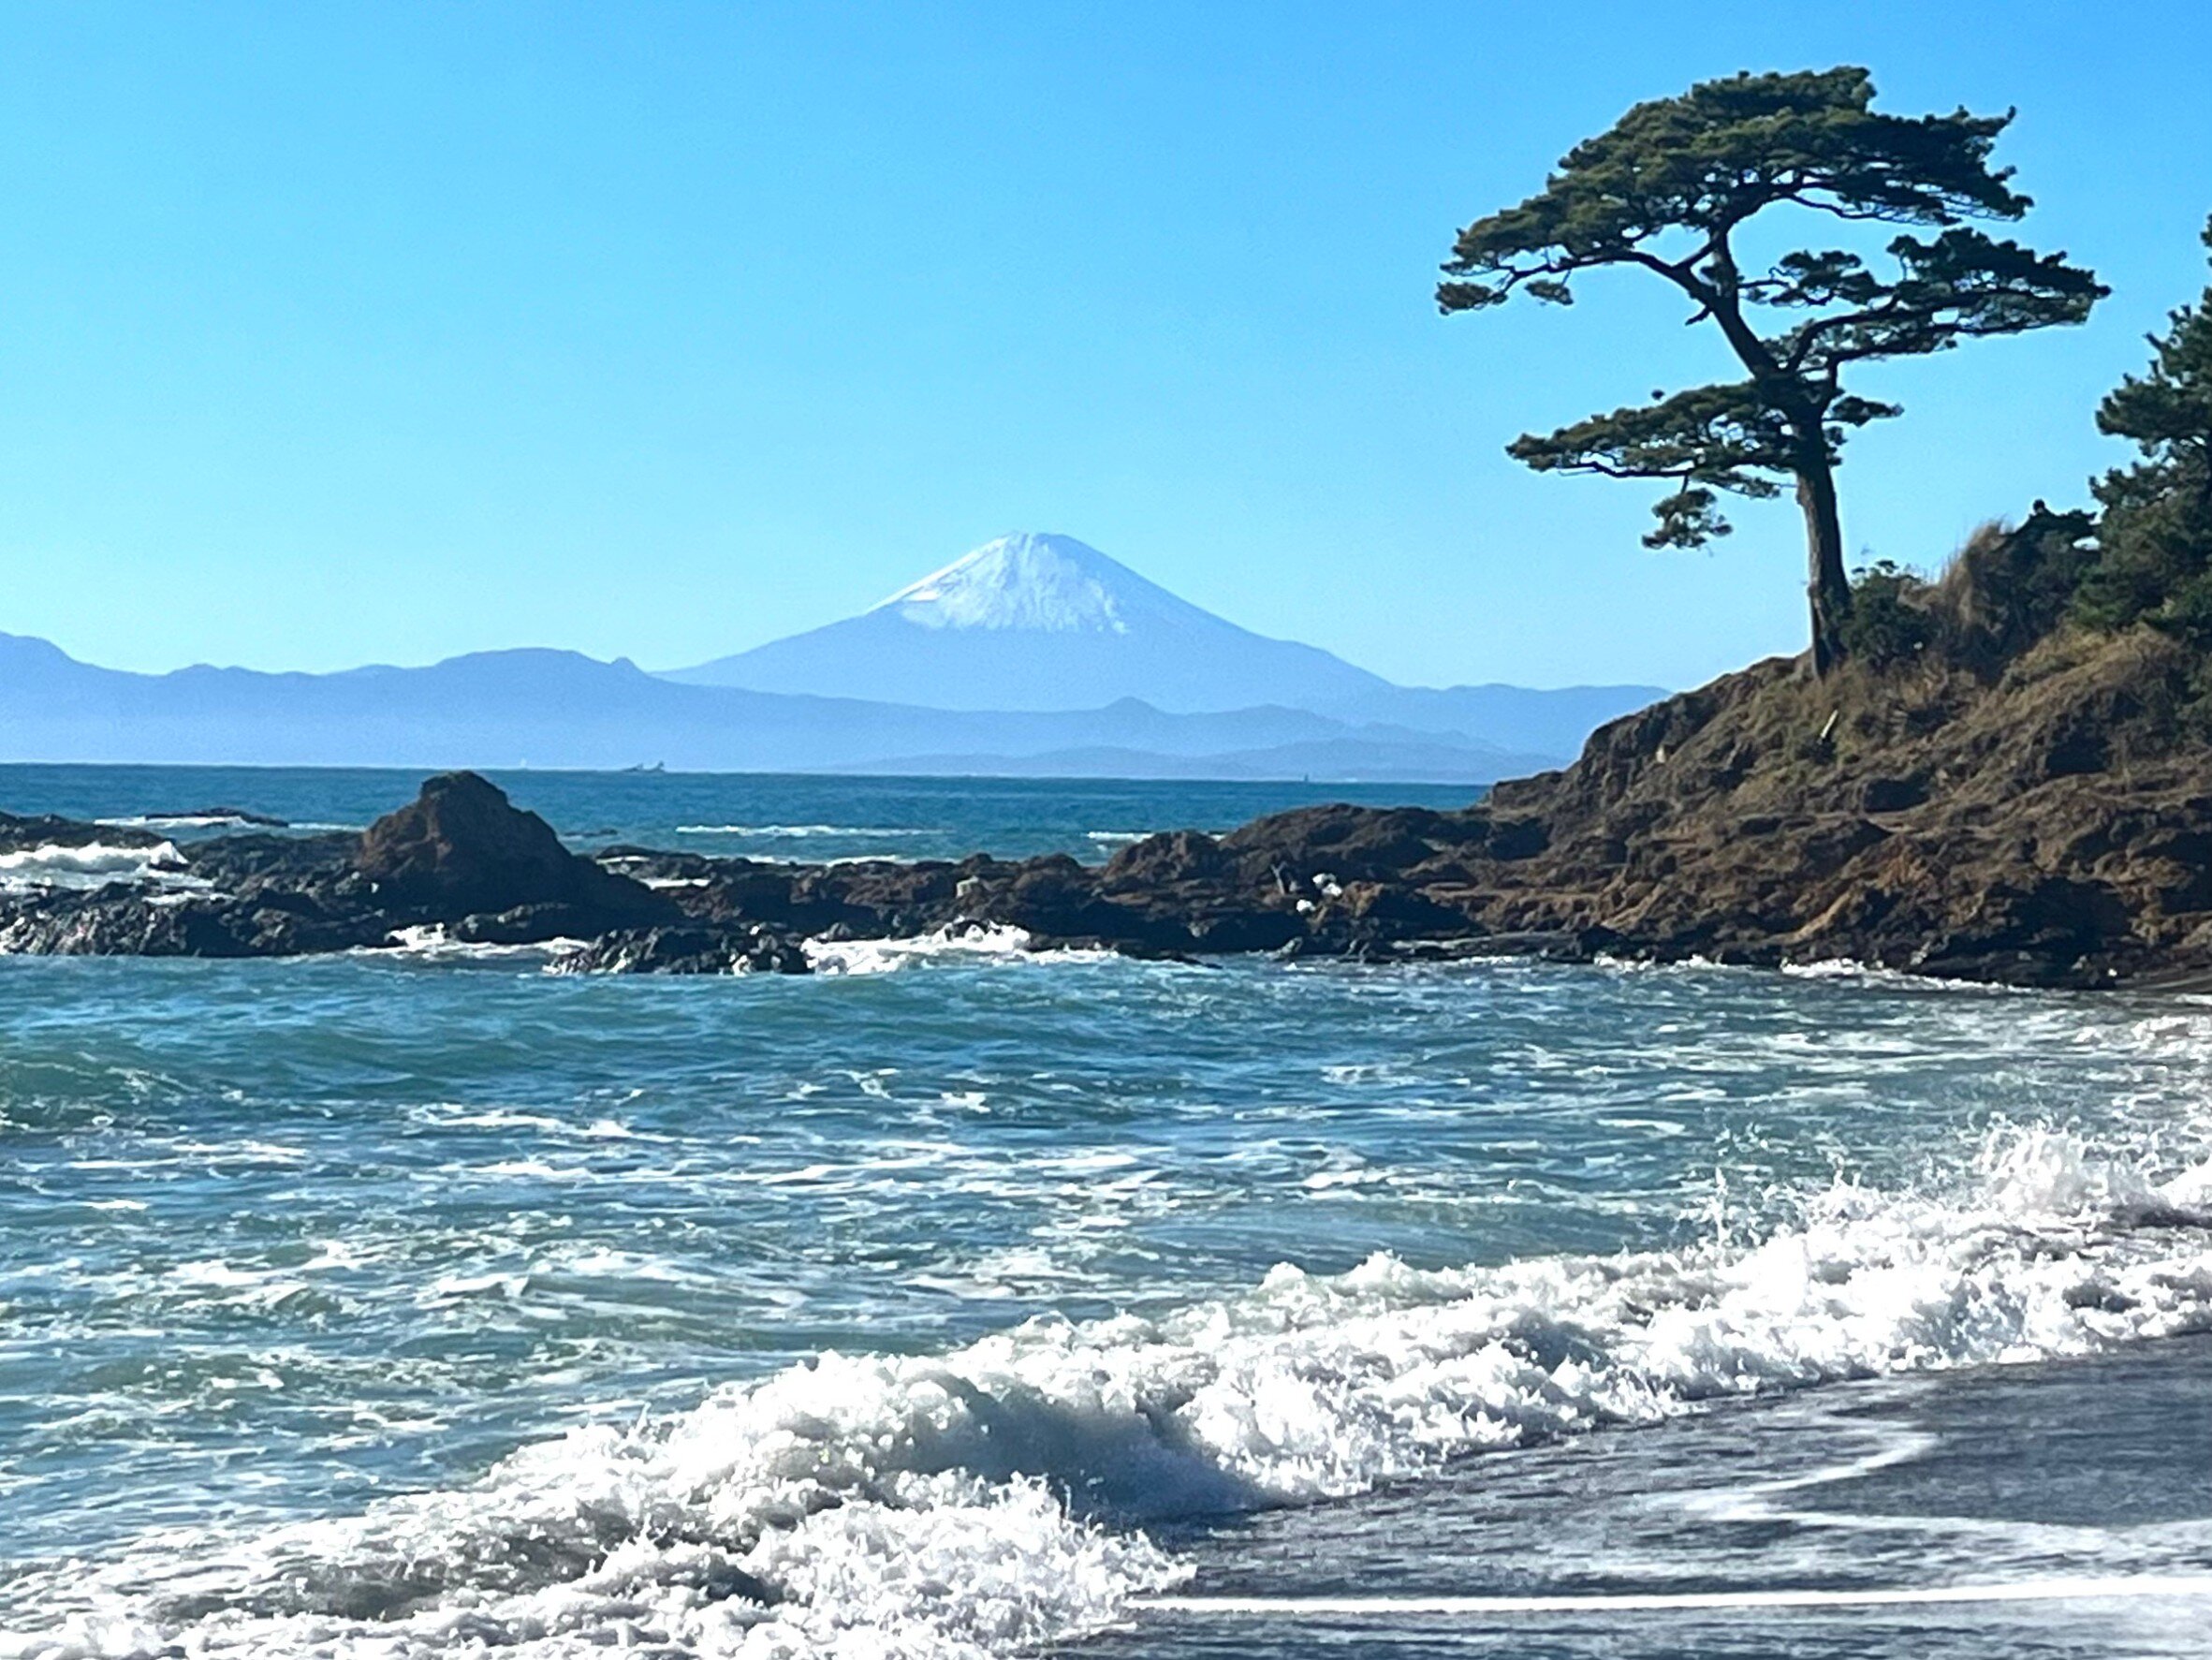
960 1300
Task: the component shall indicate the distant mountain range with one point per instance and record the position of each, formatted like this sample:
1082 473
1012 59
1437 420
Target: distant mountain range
1042 621
1032 655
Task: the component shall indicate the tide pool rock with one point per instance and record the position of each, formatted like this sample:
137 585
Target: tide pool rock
687 949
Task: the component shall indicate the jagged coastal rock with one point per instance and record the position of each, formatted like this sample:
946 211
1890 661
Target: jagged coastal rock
461 852
2026 806
460 855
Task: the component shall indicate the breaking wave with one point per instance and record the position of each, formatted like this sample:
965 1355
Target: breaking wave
430 942
210 821
994 1497
94 864
973 942
803 831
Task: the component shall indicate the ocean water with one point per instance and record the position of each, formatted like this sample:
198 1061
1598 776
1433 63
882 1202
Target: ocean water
967 1301
750 816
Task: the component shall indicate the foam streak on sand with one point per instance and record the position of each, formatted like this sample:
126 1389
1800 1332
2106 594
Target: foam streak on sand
990 1498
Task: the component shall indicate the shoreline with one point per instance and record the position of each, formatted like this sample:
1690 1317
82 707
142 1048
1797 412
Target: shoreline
1364 883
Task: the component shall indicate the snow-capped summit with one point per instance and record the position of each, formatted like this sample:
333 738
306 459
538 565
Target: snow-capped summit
1051 583
1040 622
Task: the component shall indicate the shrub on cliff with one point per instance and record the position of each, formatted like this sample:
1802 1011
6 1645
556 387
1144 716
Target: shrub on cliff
1889 621
2009 587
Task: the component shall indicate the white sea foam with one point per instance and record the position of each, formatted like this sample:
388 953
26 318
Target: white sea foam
973 942
1846 969
971 1502
803 831
173 821
429 942
94 865
832 859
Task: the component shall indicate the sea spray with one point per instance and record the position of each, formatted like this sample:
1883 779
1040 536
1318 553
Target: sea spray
995 1496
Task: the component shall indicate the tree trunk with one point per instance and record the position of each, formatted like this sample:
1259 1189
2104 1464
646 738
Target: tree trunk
1827 587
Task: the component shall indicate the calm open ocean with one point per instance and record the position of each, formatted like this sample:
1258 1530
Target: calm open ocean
960 1302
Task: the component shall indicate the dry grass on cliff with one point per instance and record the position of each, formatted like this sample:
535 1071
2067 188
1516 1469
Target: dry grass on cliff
1946 723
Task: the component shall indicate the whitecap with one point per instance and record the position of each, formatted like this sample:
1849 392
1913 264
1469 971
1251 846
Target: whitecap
973 942
804 831
992 1498
94 864
169 821
429 942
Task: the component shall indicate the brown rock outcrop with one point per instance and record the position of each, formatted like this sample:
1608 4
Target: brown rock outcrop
460 849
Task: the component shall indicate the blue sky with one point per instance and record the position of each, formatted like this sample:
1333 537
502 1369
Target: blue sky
332 334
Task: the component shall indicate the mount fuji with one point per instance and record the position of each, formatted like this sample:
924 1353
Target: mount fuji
1048 624
1034 655
1034 621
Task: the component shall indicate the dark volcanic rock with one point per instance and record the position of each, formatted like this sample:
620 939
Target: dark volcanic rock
687 949
127 920
460 856
526 925
460 849
323 864
113 922
232 897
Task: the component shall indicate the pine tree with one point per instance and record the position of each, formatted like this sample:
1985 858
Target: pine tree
2155 541
1667 189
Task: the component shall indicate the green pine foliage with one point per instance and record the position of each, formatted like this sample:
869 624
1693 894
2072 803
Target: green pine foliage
2155 540
1891 620
1666 190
